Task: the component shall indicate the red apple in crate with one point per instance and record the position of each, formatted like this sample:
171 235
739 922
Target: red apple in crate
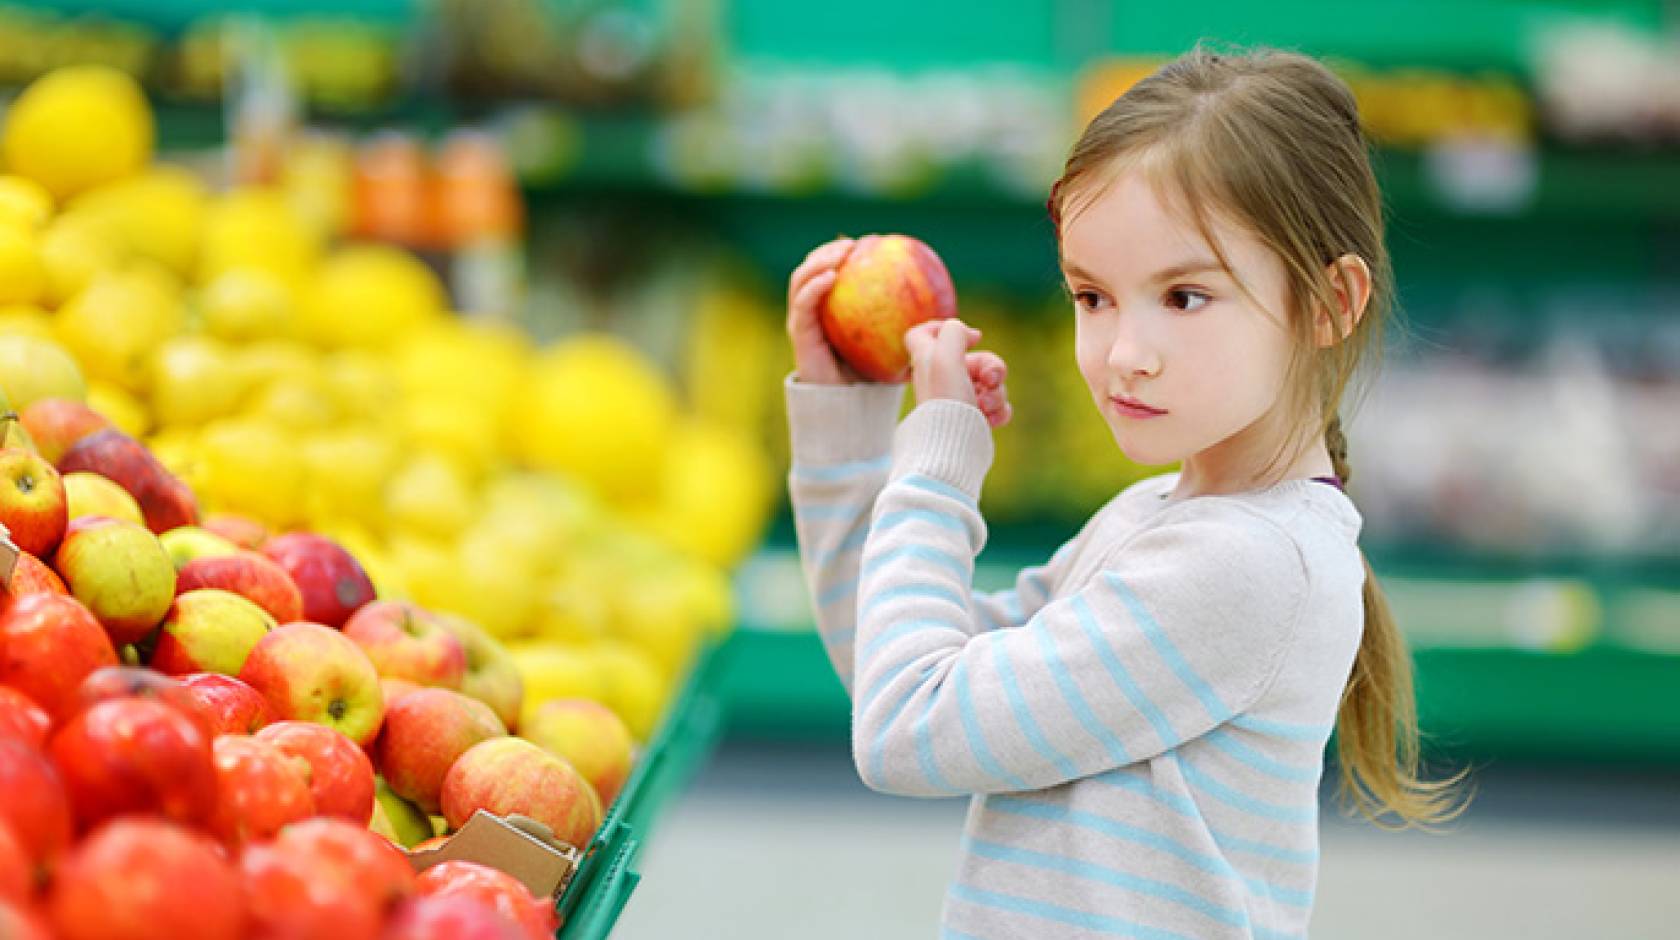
147 879
120 572
32 504
111 682
333 583
36 808
491 676
309 672
324 878
49 643
259 789
453 917
17 869
510 775
249 575
188 542
55 424
242 531
231 706
21 719
886 285
457 878
135 756
31 576
20 922
340 776
165 500
425 732
209 631
590 737
406 642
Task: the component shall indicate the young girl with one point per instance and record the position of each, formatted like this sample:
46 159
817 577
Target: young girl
1142 719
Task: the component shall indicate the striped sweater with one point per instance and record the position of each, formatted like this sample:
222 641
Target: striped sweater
1139 723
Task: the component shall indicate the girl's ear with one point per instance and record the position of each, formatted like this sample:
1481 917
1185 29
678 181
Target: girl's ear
1350 279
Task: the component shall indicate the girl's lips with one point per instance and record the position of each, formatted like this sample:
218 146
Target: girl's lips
1133 408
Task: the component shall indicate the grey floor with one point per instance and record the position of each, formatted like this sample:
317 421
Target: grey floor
777 841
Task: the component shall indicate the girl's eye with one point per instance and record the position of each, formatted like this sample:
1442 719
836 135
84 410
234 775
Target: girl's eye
1182 298
1087 299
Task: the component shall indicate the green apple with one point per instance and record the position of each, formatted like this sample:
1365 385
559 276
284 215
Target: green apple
409 827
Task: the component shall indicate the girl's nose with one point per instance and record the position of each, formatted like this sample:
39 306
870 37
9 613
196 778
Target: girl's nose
1130 353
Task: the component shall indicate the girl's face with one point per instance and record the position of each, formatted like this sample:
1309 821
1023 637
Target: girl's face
1181 363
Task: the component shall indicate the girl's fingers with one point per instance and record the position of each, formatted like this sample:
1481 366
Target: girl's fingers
987 369
822 258
803 322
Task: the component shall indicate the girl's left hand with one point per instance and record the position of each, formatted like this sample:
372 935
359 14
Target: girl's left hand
942 367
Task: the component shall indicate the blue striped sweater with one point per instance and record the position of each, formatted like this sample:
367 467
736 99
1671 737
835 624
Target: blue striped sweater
1140 722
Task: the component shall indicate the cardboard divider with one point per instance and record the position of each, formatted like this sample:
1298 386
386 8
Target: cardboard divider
518 845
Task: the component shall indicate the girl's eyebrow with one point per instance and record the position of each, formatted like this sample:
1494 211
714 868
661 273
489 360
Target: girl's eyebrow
1180 269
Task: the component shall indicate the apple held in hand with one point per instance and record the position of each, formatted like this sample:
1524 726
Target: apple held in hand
121 572
32 502
146 879
425 732
230 706
510 775
340 776
406 642
886 285
209 631
308 672
49 643
332 582
251 576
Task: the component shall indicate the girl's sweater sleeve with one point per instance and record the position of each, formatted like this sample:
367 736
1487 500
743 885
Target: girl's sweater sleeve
1184 628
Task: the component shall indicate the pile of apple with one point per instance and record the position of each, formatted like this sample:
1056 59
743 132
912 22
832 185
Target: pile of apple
170 684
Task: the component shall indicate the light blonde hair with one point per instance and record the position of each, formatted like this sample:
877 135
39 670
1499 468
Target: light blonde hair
1271 140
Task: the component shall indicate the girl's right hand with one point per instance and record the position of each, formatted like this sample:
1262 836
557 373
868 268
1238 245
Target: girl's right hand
815 361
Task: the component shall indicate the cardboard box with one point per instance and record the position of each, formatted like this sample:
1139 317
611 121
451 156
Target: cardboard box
518 845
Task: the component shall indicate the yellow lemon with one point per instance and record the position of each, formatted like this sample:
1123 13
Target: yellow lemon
453 428
257 228
480 366
194 380
298 401
24 202
177 449
348 471
113 326
369 296
27 319
32 368
709 595
75 128
421 564
429 495
89 494
596 408
159 214
363 385
75 250
265 361
244 304
654 615
253 467
573 610
23 278
631 686
122 408
495 589
551 671
716 493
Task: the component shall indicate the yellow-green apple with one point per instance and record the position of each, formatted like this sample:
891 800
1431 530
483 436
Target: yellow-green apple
425 732
340 774
32 504
21 719
121 572
259 789
251 576
49 643
184 543
324 877
36 806
332 582
57 423
147 878
309 672
231 706
589 736
30 576
409 826
492 677
512 775
886 285
209 630
165 501
507 894
135 756
242 531
89 494
406 642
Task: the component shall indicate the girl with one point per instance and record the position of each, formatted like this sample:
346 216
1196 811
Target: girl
1141 721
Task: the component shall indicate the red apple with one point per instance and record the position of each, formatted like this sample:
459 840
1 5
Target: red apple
340 775
886 285
21 719
491 676
32 504
309 672
452 917
20 922
121 572
259 789
242 531
135 755
36 808
457 878
396 688
511 775
209 631
48 645
324 878
147 879
55 424
249 575
232 706
17 868
406 642
332 582
424 734
166 502
31 576
590 736
110 682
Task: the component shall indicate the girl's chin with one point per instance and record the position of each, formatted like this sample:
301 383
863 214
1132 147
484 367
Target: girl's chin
1146 453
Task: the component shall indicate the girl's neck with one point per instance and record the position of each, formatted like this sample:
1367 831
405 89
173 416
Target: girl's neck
1222 470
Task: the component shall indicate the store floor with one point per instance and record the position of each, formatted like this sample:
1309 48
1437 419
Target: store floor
779 841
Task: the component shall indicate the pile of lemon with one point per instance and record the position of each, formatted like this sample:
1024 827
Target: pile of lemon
563 497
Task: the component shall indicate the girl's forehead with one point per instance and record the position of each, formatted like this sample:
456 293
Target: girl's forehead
1130 227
